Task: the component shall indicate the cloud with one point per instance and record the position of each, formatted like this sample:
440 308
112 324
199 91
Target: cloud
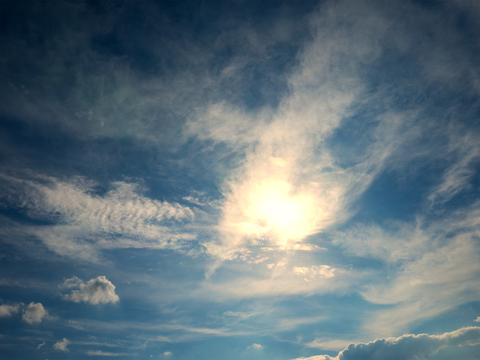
96 291
72 283
324 271
466 152
40 345
104 353
8 310
406 347
291 183
167 353
255 346
86 222
34 313
62 345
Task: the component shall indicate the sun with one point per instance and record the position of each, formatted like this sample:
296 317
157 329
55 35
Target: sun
271 209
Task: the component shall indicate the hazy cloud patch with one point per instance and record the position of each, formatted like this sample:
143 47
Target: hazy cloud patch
8 310
105 353
62 345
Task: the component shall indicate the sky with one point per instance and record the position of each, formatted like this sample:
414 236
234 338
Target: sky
261 180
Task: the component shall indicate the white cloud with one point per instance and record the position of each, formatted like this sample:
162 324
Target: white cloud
105 353
255 346
96 291
8 310
328 343
477 319
40 345
72 283
406 347
457 177
86 222
34 313
427 267
167 353
62 345
290 184
324 271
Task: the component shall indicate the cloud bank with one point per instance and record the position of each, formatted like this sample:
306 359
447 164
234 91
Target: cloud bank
406 347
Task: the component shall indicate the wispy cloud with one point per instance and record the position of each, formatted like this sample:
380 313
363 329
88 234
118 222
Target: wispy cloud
120 218
106 353
291 184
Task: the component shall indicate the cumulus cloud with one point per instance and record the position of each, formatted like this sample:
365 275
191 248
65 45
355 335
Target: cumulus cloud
477 319
62 345
406 347
255 346
96 291
34 313
8 310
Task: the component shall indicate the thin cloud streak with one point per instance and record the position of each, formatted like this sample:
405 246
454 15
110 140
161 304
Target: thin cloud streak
121 218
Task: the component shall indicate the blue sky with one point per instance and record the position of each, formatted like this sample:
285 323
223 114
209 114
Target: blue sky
271 180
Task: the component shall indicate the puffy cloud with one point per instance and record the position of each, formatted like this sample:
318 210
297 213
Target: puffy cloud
406 347
167 353
62 345
256 346
8 310
96 291
34 313
477 319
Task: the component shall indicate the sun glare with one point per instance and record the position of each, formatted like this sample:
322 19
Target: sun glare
272 210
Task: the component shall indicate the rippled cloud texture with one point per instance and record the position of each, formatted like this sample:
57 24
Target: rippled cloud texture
240 179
